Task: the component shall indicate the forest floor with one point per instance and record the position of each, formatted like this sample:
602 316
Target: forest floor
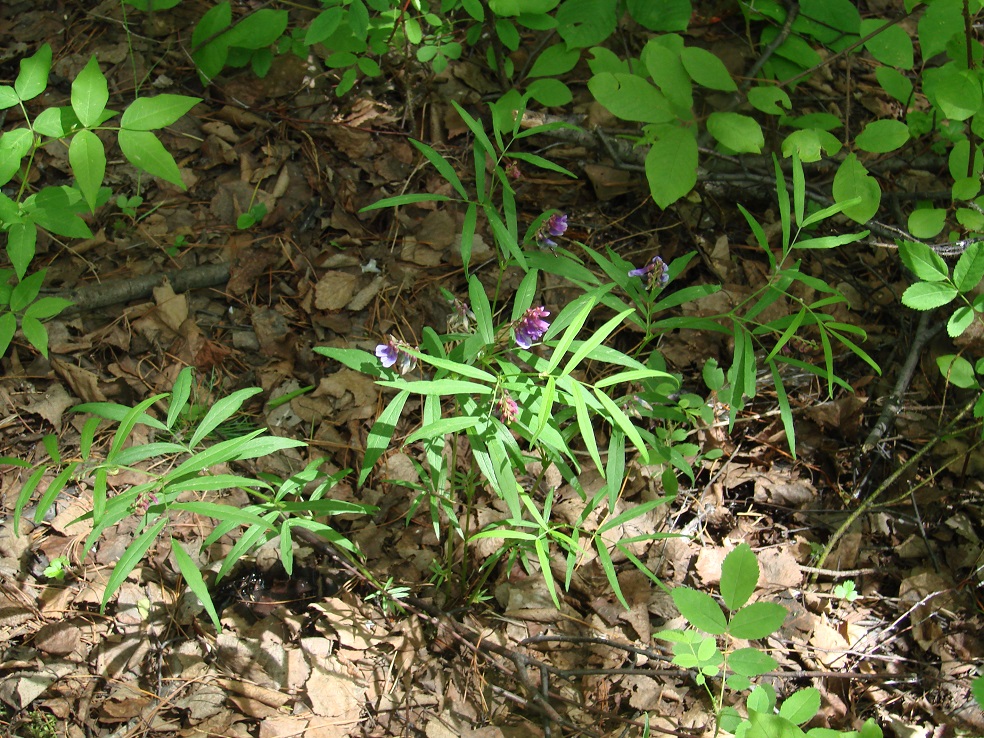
313 654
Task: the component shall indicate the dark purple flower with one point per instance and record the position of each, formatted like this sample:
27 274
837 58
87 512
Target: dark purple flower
655 273
508 409
531 327
391 353
555 225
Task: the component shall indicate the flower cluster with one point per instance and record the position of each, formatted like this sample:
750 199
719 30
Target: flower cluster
392 353
656 273
555 225
508 409
461 318
531 327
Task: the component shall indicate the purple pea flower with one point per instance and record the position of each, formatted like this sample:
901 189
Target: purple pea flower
656 273
508 409
461 318
531 327
391 353
555 225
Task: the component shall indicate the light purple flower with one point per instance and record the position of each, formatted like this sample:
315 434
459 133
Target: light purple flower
555 225
531 327
391 353
508 409
656 273
461 318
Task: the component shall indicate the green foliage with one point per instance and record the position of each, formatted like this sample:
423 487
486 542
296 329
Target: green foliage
707 646
182 449
60 209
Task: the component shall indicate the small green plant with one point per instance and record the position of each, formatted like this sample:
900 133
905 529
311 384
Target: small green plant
389 597
937 286
58 209
129 205
846 590
57 568
257 212
280 505
707 646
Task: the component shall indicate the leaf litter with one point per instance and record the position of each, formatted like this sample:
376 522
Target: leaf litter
330 661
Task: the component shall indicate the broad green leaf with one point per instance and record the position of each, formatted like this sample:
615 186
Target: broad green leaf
21 242
928 295
149 113
751 662
706 69
738 133
700 610
8 97
8 327
957 371
927 222
519 7
193 578
895 83
146 152
882 136
90 93
852 180
88 160
26 290
925 263
221 411
956 92
554 61
757 620
772 726
209 48
323 26
35 333
801 706
960 321
583 23
258 29
969 271
33 77
549 92
770 100
891 45
630 97
662 59
14 146
665 15
739 575
671 166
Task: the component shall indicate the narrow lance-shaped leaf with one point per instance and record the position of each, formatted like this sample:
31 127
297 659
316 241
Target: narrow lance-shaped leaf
193 578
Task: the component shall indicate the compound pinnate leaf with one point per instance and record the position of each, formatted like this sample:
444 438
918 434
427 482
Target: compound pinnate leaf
739 575
700 610
757 620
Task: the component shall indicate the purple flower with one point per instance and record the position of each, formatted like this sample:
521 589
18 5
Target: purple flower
391 353
555 225
508 409
656 273
531 327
